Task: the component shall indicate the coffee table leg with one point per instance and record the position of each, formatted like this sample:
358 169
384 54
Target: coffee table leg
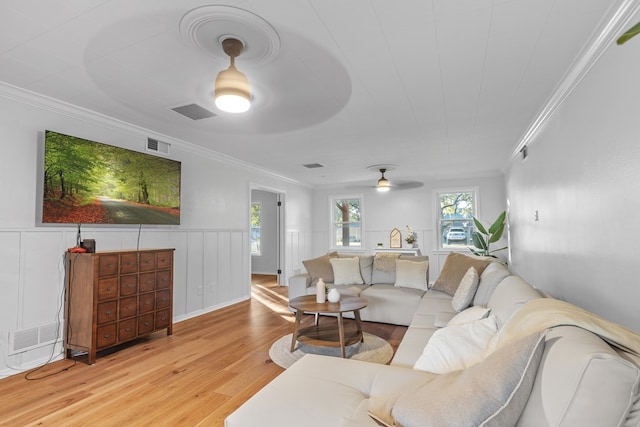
356 314
296 326
341 334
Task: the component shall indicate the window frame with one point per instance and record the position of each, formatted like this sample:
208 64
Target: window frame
474 190
332 224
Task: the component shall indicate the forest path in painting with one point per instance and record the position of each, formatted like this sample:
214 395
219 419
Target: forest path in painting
123 212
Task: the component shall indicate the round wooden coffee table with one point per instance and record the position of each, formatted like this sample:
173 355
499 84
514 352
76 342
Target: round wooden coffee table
327 335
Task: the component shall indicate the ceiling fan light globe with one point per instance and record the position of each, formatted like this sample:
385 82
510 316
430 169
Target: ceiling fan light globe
383 185
232 92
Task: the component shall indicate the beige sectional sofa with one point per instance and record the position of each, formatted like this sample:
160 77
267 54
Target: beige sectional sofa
548 363
389 300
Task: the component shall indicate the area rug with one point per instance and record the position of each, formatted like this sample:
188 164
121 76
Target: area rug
373 349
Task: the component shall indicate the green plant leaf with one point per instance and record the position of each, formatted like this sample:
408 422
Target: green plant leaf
498 222
478 241
479 226
631 32
497 234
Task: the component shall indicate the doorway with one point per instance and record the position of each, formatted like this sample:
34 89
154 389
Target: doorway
267 234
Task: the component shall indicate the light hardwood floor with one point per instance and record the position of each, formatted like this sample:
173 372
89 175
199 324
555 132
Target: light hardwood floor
196 377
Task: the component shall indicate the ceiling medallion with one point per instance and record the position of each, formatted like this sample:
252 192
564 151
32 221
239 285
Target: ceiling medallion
205 27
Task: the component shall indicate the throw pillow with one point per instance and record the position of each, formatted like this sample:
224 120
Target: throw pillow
469 315
411 274
466 290
384 268
492 393
455 266
457 347
320 267
346 271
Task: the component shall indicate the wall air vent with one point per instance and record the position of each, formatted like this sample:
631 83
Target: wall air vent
313 165
156 146
194 112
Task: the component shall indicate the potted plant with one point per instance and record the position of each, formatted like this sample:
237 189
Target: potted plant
482 238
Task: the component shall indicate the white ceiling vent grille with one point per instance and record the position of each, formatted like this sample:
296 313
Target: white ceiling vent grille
194 112
157 146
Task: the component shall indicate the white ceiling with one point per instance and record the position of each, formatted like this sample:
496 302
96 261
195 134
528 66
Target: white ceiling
439 88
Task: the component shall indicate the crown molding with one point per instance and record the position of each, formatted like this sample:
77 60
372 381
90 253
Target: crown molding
75 112
602 38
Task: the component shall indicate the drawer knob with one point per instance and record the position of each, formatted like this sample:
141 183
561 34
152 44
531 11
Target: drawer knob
146 323
106 335
129 286
128 329
108 312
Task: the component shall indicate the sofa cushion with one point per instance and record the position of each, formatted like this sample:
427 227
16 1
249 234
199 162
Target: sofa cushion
582 381
454 268
320 267
510 294
390 304
411 274
366 266
457 347
490 393
346 271
492 275
384 267
466 290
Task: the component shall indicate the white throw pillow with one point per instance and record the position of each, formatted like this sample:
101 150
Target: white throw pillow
469 315
466 290
457 347
346 271
411 274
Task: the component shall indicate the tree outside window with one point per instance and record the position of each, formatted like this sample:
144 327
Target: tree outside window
256 221
346 222
455 218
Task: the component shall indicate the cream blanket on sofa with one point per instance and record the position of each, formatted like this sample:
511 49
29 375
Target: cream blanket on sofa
543 313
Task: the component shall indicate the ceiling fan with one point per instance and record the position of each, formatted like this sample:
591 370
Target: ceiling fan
384 184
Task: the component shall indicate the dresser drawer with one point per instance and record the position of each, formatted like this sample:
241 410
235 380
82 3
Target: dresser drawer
107 265
164 259
128 285
146 302
162 319
163 299
147 282
107 312
147 261
106 335
108 288
128 307
128 263
163 280
145 324
127 329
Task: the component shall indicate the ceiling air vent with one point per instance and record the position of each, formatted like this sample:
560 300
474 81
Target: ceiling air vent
157 146
194 112
313 165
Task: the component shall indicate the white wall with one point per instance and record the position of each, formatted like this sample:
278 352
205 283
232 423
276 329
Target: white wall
582 177
212 258
416 208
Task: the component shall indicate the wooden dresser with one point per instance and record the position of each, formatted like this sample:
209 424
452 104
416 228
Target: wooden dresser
116 296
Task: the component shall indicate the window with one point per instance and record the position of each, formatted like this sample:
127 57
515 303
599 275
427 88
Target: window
456 210
346 222
256 212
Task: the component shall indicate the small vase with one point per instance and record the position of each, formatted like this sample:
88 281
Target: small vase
320 291
334 295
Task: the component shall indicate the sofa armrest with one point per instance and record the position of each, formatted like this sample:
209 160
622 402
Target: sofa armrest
298 285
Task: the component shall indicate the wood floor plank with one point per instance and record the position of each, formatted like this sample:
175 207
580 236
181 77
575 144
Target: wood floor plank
196 377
